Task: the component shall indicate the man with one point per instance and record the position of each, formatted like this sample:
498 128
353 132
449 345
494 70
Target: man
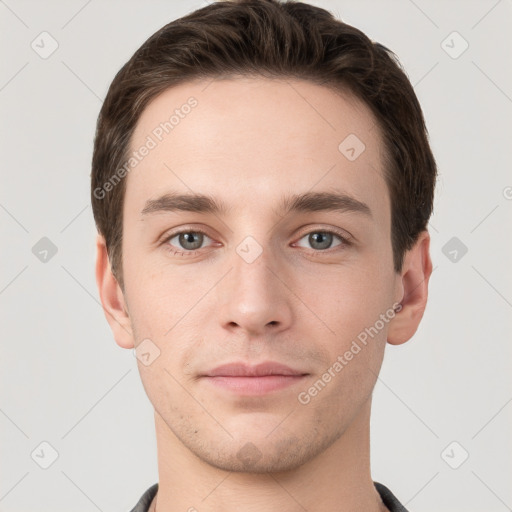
261 183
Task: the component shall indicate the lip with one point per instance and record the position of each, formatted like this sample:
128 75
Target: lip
242 378
265 369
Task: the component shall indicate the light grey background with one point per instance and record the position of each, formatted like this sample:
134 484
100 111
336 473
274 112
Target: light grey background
64 381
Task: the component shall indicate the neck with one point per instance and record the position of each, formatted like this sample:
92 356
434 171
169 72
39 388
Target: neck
337 480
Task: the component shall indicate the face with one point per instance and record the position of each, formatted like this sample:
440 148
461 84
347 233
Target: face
295 269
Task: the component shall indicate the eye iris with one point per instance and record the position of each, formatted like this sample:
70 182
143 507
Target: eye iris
321 238
189 237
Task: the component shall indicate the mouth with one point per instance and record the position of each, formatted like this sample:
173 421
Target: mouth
244 379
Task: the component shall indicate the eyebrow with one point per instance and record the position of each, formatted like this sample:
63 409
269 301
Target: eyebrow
307 202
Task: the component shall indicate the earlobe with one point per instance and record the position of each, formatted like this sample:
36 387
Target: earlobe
112 298
415 276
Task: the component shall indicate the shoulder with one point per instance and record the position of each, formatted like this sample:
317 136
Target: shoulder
389 499
145 500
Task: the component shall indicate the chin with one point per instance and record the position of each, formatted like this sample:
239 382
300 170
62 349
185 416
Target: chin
253 459
262 453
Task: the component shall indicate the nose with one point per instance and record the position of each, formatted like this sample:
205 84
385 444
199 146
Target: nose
255 298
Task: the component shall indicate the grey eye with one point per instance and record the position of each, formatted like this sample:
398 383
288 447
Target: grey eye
321 240
189 240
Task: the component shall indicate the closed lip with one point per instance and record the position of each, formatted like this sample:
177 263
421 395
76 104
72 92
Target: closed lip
247 370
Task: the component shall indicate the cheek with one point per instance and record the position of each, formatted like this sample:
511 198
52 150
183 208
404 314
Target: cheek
150 314
349 299
350 304
155 297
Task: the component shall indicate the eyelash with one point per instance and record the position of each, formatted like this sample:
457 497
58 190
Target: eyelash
345 242
177 252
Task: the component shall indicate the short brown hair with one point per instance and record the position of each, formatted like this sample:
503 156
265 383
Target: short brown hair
278 39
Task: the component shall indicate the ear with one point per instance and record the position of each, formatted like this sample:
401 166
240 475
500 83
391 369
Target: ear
112 297
413 286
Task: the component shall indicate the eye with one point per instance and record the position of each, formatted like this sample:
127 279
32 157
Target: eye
188 240
322 240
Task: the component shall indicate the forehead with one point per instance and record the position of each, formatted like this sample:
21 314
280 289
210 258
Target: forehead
249 140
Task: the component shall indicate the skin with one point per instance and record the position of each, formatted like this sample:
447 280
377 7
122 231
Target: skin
249 142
